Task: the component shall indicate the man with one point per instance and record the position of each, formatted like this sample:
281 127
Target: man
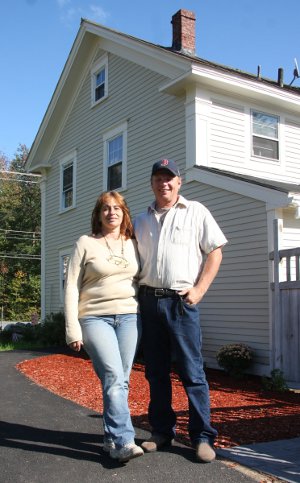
173 237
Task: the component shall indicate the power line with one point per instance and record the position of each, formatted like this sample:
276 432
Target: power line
16 174
20 238
20 181
31 236
22 174
20 231
22 256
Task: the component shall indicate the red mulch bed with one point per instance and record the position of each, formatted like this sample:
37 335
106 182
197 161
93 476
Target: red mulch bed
241 410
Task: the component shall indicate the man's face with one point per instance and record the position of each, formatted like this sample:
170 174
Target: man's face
165 187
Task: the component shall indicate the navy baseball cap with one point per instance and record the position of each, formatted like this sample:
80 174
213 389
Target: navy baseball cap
166 164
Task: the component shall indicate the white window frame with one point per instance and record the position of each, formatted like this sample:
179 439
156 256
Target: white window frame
101 64
120 130
274 139
66 252
67 160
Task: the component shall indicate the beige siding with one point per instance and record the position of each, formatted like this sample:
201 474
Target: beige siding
230 141
291 230
290 238
292 149
236 307
227 136
156 128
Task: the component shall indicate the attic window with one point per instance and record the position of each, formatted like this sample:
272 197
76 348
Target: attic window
265 138
99 85
99 74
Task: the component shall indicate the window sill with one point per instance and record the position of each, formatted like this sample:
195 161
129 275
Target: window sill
260 159
95 104
66 210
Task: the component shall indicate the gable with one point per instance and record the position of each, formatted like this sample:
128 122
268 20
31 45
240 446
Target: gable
90 40
181 72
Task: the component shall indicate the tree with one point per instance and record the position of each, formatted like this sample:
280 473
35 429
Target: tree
19 239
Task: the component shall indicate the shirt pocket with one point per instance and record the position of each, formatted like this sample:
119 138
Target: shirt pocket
181 236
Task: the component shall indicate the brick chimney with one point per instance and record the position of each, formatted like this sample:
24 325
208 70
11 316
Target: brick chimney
184 32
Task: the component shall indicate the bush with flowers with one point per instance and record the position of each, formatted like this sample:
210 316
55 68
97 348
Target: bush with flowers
235 358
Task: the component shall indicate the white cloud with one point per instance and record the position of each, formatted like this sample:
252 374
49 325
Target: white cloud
72 12
63 3
98 13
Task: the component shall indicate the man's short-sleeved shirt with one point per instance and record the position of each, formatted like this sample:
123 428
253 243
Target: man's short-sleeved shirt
172 253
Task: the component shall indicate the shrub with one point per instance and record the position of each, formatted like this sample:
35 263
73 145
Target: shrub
6 336
235 358
52 330
276 382
49 333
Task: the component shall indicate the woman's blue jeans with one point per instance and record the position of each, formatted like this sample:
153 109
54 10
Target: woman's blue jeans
111 342
172 333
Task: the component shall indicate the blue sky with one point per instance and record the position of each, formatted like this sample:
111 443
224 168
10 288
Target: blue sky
36 37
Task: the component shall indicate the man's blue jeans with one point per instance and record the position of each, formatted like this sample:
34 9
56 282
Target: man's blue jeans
171 330
111 342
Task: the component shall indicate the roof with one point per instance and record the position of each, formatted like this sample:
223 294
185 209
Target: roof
202 61
265 183
179 68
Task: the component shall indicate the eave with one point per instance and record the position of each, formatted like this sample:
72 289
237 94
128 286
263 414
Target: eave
91 37
274 196
233 84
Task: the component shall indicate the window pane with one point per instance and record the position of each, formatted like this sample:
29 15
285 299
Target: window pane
68 198
265 125
99 85
68 177
265 148
67 188
99 92
100 77
114 178
115 150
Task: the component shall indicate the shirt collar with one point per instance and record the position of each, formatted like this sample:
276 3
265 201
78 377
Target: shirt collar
181 201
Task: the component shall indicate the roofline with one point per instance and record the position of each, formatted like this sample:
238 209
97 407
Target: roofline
198 60
274 197
182 69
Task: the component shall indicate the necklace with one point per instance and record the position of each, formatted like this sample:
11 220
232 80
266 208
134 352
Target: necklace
116 259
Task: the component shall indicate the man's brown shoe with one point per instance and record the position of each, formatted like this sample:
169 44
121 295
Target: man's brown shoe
156 442
205 453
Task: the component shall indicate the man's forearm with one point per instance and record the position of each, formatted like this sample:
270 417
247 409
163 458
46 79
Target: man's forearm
210 270
211 267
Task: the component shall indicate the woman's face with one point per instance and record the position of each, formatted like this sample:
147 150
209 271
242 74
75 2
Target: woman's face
111 215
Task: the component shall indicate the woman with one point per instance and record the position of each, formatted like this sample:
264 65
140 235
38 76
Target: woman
101 313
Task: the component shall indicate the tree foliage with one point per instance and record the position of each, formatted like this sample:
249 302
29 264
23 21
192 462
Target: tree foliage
19 239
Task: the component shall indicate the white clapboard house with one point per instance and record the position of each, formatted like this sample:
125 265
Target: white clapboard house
122 103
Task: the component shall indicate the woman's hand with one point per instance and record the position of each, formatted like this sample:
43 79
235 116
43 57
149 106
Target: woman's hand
76 346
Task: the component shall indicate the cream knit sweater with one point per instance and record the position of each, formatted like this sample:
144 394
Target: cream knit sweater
95 286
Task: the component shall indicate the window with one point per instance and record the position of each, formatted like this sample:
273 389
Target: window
115 158
64 257
99 80
67 182
265 135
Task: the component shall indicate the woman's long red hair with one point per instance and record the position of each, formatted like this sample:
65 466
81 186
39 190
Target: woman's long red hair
126 228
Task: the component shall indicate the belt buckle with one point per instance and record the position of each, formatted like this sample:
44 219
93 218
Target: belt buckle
159 292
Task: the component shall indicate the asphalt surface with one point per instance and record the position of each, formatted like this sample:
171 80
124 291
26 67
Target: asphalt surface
45 438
